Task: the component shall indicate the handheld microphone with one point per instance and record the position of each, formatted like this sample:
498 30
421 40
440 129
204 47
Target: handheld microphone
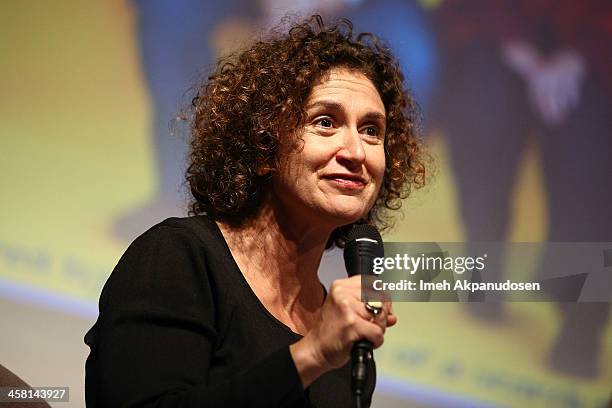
364 243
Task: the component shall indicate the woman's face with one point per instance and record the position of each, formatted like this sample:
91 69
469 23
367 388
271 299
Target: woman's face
335 178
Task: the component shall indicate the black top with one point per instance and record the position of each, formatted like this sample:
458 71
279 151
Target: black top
179 326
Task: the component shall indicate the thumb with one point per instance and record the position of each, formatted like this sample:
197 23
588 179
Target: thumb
391 319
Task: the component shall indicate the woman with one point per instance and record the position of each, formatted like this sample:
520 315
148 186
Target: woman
294 139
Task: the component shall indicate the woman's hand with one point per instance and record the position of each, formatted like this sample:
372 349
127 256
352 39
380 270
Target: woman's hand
343 320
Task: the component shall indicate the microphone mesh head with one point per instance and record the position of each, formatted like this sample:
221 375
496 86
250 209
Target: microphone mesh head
364 231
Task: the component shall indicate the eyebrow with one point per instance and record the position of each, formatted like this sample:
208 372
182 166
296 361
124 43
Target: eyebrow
332 105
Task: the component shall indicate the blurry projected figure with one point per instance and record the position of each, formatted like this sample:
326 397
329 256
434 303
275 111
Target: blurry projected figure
176 47
403 24
178 40
521 67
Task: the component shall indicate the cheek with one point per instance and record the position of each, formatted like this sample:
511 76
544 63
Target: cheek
290 168
381 170
377 168
294 176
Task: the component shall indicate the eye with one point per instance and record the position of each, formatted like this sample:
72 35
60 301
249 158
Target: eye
324 122
373 132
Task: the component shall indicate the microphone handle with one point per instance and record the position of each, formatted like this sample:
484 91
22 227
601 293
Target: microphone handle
362 360
359 258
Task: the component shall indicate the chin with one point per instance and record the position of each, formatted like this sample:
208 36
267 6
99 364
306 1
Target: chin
346 215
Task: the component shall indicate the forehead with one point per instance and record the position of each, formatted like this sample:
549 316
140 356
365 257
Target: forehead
347 86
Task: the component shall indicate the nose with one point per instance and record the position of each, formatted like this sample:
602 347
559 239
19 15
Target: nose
351 153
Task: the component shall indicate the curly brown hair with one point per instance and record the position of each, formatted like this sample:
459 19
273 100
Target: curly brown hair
244 114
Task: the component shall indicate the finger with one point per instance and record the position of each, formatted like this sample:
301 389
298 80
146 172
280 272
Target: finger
371 332
349 282
360 284
391 317
366 310
363 289
371 293
354 281
385 307
391 320
379 319
349 288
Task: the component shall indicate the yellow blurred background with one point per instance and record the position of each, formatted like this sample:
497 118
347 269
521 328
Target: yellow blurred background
75 153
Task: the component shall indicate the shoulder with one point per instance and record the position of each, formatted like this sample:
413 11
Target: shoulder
178 237
196 228
176 256
164 280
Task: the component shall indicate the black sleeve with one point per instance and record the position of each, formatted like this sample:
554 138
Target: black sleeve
157 333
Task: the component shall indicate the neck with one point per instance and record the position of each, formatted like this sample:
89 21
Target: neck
280 256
